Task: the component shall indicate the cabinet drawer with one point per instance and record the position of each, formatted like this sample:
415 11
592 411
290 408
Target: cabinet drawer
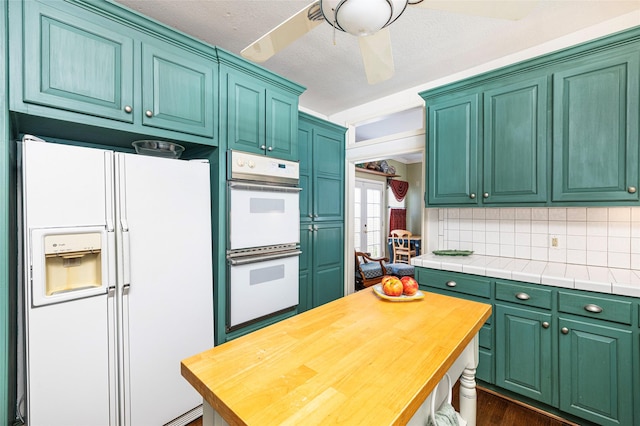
524 294
595 306
457 283
485 368
486 336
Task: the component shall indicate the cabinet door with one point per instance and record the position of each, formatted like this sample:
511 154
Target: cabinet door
245 107
328 175
77 61
515 143
328 262
596 379
524 362
595 130
305 150
305 267
177 90
282 125
452 150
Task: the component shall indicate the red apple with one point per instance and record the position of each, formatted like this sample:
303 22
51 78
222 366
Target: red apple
409 285
392 287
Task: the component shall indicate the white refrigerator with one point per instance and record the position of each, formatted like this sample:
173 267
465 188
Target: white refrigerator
118 284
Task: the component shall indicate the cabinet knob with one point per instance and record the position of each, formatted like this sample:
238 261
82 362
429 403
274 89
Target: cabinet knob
545 324
594 309
263 147
631 190
451 283
270 148
485 195
128 109
472 195
564 330
310 215
310 228
315 215
522 296
148 113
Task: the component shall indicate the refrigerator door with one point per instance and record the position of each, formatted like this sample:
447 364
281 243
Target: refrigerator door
166 281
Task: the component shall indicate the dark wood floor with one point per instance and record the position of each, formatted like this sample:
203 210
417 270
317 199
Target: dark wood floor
494 410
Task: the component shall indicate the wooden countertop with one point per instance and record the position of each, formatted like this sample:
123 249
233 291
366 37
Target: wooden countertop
356 360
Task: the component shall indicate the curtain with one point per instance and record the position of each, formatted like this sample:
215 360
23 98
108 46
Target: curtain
399 189
397 219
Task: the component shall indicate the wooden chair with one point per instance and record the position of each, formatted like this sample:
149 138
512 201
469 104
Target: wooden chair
369 270
402 251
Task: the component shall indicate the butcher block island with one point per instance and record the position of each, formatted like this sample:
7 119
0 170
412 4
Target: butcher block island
357 360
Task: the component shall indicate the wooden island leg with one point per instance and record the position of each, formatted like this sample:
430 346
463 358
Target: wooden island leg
468 395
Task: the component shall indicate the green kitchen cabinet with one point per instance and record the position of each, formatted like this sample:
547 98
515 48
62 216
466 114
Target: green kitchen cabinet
489 146
321 264
515 142
453 149
260 118
596 371
524 349
81 66
322 162
595 128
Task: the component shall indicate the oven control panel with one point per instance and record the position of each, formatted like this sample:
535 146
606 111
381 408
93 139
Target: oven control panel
243 165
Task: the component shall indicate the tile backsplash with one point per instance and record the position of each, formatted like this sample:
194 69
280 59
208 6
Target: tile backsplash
592 236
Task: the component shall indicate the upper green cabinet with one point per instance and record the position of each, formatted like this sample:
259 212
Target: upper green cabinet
322 165
595 129
80 66
260 117
489 146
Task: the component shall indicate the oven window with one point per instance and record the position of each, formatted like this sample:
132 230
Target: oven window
266 205
265 275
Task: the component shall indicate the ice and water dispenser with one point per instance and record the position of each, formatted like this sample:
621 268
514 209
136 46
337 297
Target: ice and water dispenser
67 264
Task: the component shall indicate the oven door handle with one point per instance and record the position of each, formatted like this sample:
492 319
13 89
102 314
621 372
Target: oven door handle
261 258
257 186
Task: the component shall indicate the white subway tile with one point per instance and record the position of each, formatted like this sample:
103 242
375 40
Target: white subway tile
479 236
597 228
540 213
492 213
558 255
508 238
635 245
523 239
479 248
558 214
619 229
523 214
507 214
466 224
597 243
466 214
619 260
576 228
523 252
619 245
453 213
575 242
539 227
479 224
507 250
557 227
492 225
635 214
539 240
479 213
507 225
523 226
492 237
577 214
598 214
578 257
596 258
493 249
539 253
619 214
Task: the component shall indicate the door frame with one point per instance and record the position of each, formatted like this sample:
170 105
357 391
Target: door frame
383 190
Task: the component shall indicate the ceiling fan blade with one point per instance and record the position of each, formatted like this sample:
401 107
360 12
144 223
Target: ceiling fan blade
284 34
376 56
502 9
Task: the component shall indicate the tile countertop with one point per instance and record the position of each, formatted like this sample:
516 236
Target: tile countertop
624 282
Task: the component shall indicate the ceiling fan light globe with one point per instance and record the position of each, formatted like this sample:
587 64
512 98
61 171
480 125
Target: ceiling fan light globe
362 17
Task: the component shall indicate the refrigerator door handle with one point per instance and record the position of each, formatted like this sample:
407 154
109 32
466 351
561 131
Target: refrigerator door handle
111 260
109 191
126 259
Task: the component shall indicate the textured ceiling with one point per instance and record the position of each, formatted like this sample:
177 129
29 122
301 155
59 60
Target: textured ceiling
427 44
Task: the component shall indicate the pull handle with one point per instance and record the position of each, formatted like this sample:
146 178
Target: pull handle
545 324
485 195
564 330
472 195
594 309
148 113
451 283
631 190
128 109
126 270
522 296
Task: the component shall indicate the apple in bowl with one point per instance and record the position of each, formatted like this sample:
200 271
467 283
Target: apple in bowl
409 286
392 286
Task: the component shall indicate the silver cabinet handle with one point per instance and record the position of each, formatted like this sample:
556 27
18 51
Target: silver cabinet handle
522 296
310 215
451 283
594 309
631 190
564 330
545 324
315 215
472 195
128 109
485 195
310 228
270 148
148 113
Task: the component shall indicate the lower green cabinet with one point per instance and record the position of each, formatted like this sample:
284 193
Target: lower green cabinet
321 264
596 373
524 342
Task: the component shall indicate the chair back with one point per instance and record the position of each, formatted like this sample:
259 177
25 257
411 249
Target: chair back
401 241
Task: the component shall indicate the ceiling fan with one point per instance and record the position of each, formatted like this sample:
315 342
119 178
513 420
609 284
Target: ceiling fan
368 20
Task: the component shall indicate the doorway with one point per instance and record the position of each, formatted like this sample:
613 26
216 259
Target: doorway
368 217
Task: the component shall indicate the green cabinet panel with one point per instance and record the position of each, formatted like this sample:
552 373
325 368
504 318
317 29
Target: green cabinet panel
78 62
485 371
305 151
528 295
259 119
523 352
596 372
177 90
452 150
305 269
595 129
515 143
